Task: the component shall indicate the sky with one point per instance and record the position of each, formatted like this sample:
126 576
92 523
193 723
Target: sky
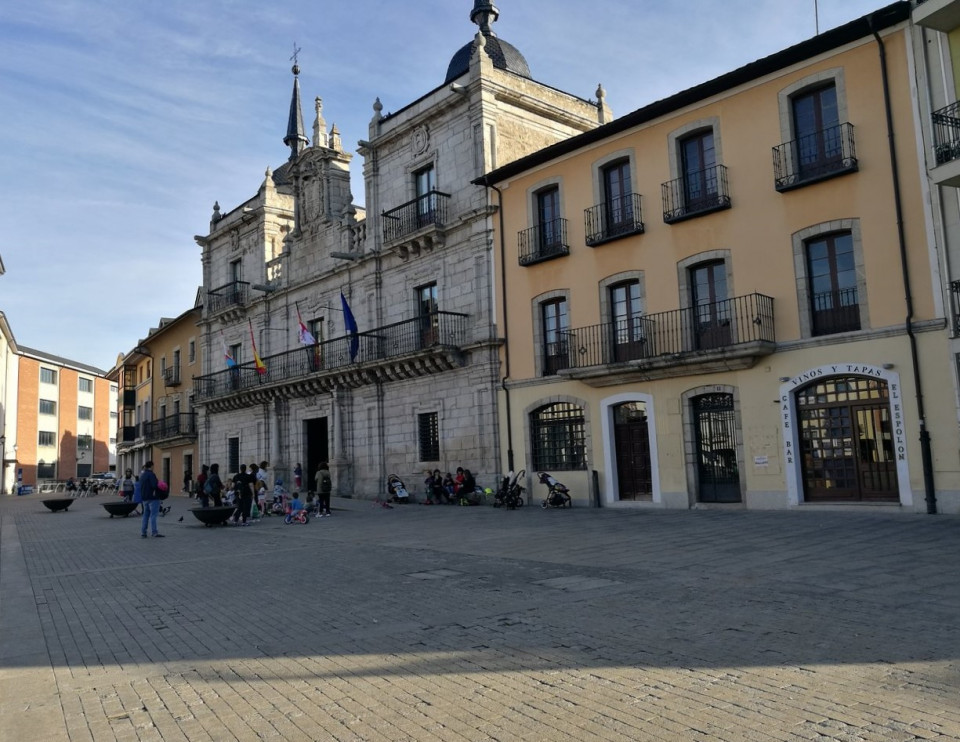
123 121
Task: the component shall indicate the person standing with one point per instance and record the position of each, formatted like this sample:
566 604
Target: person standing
243 484
187 481
298 476
127 486
324 488
214 485
150 494
202 495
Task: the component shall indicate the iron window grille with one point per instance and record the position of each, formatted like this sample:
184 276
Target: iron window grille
559 435
428 426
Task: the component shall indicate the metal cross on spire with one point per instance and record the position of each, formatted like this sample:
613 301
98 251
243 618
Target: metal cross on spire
296 53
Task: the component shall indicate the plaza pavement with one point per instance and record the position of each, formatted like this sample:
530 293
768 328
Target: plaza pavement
448 623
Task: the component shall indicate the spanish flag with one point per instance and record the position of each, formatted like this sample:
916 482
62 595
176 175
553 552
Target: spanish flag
261 369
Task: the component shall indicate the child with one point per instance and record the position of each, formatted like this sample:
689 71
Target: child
229 497
296 504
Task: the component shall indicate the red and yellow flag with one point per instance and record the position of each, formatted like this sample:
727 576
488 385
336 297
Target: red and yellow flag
261 369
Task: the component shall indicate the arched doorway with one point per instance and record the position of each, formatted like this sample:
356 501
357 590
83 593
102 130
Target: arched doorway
847 441
631 432
715 452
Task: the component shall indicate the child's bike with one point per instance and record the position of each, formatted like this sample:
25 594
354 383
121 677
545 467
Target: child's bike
300 516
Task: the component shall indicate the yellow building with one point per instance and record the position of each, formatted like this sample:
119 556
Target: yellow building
158 422
728 296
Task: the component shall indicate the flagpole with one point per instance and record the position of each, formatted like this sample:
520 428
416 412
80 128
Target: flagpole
816 14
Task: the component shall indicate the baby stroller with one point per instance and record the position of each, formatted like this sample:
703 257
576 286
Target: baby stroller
397 489
510 494
558 495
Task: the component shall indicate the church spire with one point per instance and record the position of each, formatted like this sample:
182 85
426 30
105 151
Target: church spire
483 14
295 139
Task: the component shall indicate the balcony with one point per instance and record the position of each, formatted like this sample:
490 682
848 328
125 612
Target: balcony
722 336
232 296
404 350
418 225
170 428
695 194
171 376
815 157
835 311
946 146
939 15
543 242
619 217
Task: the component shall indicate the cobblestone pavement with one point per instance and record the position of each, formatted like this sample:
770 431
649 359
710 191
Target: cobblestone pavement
448 623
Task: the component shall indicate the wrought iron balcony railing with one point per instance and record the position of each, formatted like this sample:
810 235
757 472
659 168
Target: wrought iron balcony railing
619 217
171 376
955 291
815 157
233 294
436 330
171 426
835 311
946 133
695 194
543 242
428 210
716 326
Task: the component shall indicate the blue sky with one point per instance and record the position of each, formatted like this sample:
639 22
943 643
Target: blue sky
124 120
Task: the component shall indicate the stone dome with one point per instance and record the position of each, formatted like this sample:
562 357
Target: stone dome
505 56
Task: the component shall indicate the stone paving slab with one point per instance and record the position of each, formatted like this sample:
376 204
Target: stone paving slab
448 623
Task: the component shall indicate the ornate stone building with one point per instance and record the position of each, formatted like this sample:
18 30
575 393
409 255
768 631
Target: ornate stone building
413 385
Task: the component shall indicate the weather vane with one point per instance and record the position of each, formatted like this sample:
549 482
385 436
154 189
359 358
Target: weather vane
296 51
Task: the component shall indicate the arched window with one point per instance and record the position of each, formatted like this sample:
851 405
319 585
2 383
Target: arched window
558 436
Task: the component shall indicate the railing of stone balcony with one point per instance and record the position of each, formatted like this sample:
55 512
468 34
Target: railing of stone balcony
946 133
814 157
618 217
436 330
695 194
716 326
429 209
542 242
233 294
171 426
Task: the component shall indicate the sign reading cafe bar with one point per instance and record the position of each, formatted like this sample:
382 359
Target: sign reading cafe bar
843 436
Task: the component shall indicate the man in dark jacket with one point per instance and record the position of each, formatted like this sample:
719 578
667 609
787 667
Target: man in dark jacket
150 494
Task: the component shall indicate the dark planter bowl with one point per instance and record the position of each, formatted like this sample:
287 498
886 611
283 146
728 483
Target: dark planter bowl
61 504
213 516
120 509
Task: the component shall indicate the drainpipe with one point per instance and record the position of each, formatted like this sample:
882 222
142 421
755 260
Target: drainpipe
506 344
926 455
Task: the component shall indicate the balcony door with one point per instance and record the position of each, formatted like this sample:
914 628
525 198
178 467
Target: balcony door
427 315
629 342
832 271
556 326
548 221
425 183
618 205
698 161
816 125
711 311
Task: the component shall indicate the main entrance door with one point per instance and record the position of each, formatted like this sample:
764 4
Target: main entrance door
317 448
714 422
632 436
846 441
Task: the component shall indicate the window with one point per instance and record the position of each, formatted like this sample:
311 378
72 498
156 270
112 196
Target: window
832 276
816 127
46 438
629 338
46 471
84 442
711 310
427 309
558 433
698 163
192 352
428 434
618 206
48 375
235 354
556 326
86 385
48 407
84 413
236 272
425 185
316 329
233 455
548 219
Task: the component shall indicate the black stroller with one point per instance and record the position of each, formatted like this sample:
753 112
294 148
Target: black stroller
558 495
397 490
510 493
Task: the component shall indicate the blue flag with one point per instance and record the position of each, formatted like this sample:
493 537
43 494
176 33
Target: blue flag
350 325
